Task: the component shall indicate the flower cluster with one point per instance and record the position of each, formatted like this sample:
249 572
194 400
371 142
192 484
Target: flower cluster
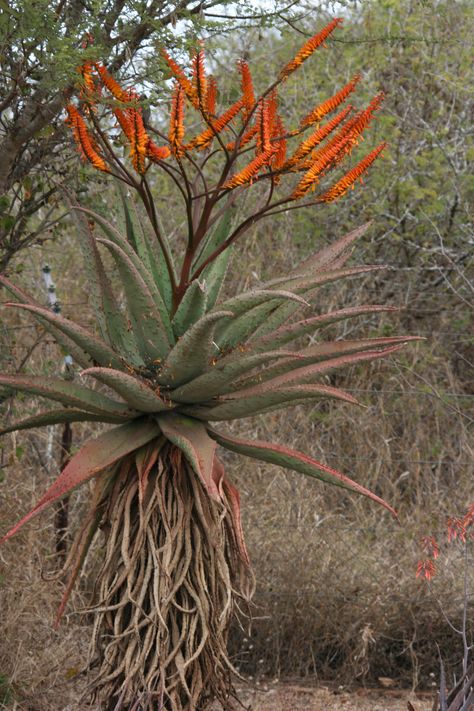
254 122
457 529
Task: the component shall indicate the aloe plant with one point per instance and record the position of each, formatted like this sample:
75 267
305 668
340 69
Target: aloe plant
176 359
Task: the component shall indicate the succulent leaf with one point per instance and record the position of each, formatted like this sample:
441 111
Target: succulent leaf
285 334
68 393
97 349
193 351
112 324
223 374
191 308
321 352
308 287
324 258
247 405
134 391
133 259
192 438
153 338
56 417
149 249
216 237
308 373
95 457
292 459
68 345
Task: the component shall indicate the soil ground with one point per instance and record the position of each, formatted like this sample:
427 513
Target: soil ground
288 697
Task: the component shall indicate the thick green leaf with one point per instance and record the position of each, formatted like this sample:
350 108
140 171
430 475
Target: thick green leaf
315 354
331 257
285 334
308 373
308 287
138 394
216 237
251 310
94 457
68 346
324 258
191 309
193 440
297 461
98 350
223 374
193 352
112 323
214 275
153 338
68 393
132 257
249 405
149 249
56 417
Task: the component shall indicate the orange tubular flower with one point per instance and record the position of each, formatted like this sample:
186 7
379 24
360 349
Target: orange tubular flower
199 79
181 78
207 136
138 141
246 175
279 157
246 138
113 86
124 123
322 160
317 137
88 89
176 132
246 83
330 104
211 96
308 48
426 569
83 140
156 153
264 128
343 185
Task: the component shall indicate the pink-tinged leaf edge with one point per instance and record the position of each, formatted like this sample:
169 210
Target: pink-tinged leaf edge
94 457
191 437
292 459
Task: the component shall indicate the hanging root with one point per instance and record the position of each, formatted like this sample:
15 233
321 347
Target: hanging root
169 586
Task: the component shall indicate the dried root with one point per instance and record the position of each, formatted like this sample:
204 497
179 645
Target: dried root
172 577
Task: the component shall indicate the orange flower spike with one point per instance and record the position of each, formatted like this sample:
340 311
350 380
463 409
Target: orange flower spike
181 78
88 88
246 175
330 104
308 49
206 137
246 83
176 132
246 138
124 123
199 79
364 117
139 140
83 140
263 123
112 85
426 569
156 153
320 162
279 158
349 178
211 96
318 136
